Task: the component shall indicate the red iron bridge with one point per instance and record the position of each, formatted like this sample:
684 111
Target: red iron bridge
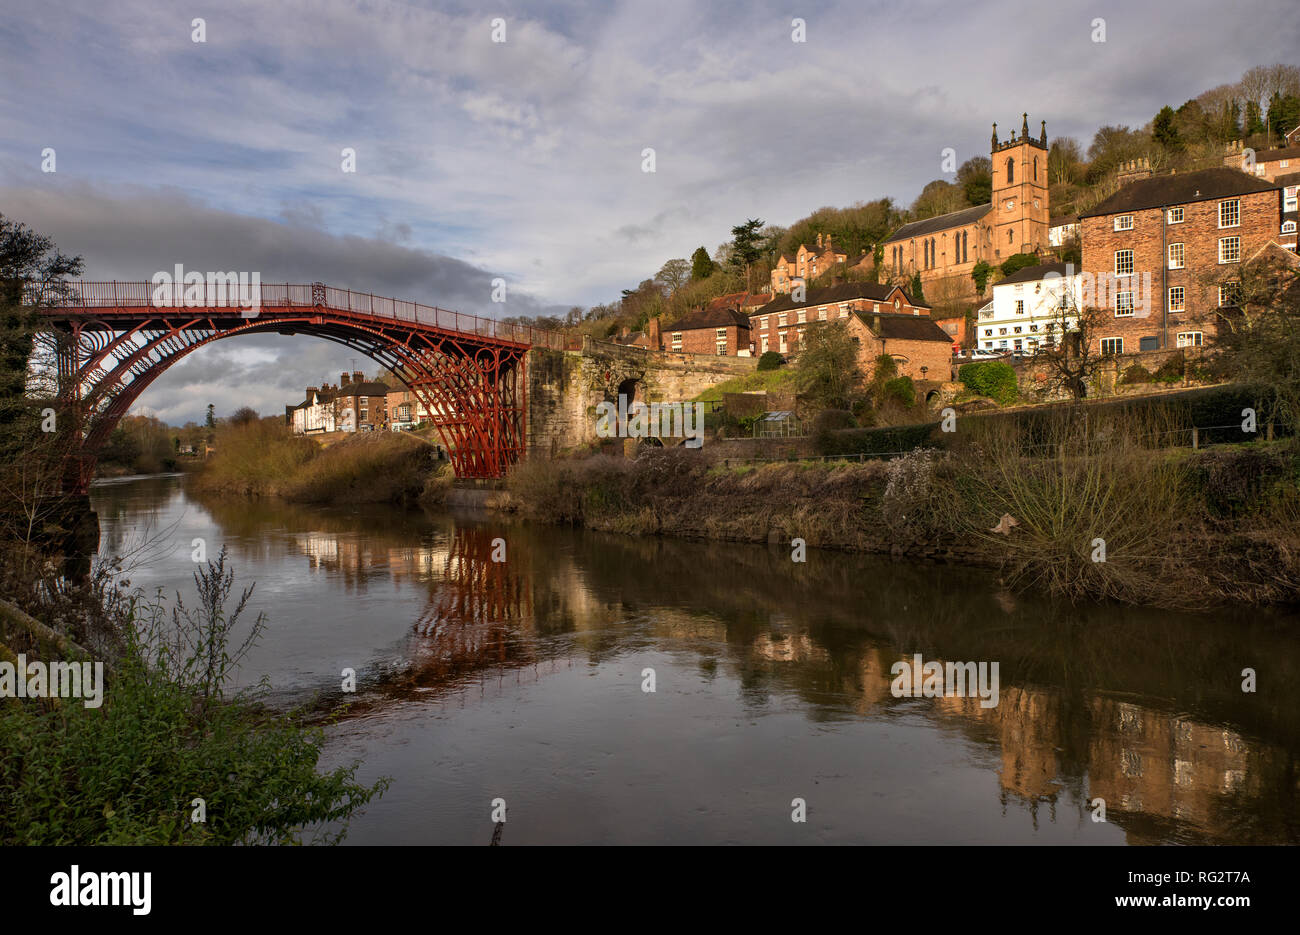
112 339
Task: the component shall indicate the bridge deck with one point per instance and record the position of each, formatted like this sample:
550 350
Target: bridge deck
130 299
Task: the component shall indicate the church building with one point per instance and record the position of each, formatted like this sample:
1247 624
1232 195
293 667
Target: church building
945 249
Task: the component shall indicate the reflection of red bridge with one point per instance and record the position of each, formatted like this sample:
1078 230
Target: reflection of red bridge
112 341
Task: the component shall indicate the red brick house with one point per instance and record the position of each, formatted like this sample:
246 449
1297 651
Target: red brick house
1157 253
715 330
922 350
778 324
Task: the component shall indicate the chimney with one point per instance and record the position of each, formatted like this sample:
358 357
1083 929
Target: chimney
312 389
343 378
623 332
652 332
358 377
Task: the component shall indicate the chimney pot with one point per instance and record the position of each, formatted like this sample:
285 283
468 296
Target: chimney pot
343 379
358 377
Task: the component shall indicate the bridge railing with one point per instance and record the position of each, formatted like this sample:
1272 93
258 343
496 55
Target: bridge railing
219 294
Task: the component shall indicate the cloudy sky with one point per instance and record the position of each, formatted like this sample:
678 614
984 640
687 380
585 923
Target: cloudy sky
523 158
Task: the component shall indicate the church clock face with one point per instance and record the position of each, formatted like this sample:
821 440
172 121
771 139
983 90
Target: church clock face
1011 204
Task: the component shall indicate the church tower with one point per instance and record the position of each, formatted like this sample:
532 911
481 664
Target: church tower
1019 218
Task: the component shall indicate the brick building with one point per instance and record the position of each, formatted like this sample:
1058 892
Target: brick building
921 349
808 262
354 405
719 331
1157 253
1266 164
945 249
777 325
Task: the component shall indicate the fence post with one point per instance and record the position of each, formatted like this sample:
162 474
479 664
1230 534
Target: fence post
1196 438
1268 434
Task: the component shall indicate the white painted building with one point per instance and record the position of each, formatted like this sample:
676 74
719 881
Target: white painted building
314 414
1024 314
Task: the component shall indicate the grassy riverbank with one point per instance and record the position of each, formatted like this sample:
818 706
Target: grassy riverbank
265 459
1096 513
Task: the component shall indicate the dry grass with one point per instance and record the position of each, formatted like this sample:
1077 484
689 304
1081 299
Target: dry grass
262 459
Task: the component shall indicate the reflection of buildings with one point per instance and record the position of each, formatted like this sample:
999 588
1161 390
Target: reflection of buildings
1152 768
1168 766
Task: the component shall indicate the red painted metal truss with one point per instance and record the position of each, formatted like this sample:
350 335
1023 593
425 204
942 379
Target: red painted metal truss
471 382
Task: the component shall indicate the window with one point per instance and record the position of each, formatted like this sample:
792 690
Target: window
1229 294
764 344
1002 331
1288 227
780 319
1123 262
1124 222
1123 304
1175 256
821 313
1230 213
1112 345
988 332
1175 215
1290 199
781 336
720 341
898 303
801 316
1177 299
1011 170
677 340
1229 249
844 309
762 323
1020 306
1189 338
1019 330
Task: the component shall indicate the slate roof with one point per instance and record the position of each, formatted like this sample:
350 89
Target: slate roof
1183 188
904 327
1033 273
712 318
941 223
840 292
362 389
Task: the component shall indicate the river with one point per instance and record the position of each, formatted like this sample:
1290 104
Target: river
526 680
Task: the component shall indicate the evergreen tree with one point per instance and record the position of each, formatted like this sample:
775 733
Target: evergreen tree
702 265
1164 130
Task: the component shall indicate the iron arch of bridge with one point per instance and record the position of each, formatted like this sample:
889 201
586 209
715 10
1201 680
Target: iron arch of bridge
472 384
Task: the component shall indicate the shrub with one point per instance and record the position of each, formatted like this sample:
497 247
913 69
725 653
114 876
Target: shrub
770 360
167 730
1136 374
1019 261
827 421
901 390
895 438
993 378
1171 371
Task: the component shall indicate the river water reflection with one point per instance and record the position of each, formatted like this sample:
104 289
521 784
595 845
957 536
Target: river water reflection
523 680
